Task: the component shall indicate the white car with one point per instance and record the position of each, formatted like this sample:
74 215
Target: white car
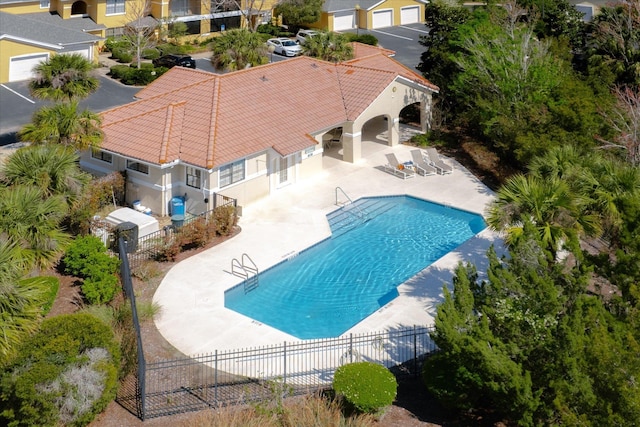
304 35
284 46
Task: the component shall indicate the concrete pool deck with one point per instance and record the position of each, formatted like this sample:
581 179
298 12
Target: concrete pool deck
193 317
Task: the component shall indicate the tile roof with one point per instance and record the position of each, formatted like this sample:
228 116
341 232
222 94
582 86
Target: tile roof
208 120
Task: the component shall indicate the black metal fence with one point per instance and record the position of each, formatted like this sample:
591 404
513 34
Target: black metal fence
227 377
149 246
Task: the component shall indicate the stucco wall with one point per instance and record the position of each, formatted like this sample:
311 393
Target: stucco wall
10 49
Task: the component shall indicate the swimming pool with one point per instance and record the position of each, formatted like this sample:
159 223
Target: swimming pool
377 244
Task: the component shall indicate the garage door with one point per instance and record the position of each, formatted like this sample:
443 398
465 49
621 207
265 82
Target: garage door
343 21
85 52
382 18
409 15
20 67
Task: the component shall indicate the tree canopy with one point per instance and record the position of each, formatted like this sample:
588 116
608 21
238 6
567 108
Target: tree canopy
297 13
64 77
238 49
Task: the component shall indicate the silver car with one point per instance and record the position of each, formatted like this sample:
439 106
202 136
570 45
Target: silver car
304 35
284 46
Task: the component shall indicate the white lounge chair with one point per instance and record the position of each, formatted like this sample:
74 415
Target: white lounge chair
422 167
393 165
437 162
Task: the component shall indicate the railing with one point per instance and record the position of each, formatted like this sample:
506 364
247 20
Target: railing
247 270
149 246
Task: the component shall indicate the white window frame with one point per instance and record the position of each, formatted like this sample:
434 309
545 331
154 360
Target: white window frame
194 177
118 7
103 156
138 167
232 173
45 4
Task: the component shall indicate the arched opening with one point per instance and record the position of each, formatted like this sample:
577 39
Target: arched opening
377 130
79 8
410 115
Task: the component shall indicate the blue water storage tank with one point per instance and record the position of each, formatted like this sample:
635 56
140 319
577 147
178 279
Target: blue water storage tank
177 206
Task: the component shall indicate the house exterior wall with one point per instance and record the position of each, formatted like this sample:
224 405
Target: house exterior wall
311 163
323 23
20 8
396 5
10 49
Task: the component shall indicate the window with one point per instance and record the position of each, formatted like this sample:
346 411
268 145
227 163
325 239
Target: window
44 4
115 6
231 173
101 155
138 167
114 32
193 177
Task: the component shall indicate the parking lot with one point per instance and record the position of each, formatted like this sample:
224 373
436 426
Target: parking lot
17 106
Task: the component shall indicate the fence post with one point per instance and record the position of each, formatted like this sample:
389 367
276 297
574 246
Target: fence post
215 377
415 351
351 347
284 375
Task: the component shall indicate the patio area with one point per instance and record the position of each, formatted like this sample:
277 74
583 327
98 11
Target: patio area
193 317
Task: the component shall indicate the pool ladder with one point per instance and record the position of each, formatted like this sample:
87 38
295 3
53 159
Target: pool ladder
247 269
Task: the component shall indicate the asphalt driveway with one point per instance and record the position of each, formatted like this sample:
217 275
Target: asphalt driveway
17 105
403 39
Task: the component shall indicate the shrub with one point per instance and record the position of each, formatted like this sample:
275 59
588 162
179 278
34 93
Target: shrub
119 71
152 53
195 234
115 43
367 386
87 256
369 39
168 48
420 139
225 218
122 55
272 30
64 375
100 287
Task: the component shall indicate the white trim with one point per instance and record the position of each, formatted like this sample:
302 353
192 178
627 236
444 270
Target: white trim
31 42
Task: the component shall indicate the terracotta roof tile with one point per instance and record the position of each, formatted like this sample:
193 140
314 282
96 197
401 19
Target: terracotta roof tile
208 120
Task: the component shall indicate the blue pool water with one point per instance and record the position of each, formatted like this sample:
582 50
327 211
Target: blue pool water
376 245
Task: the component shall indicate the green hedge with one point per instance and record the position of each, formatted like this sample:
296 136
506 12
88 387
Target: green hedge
64 375
88 259
131 75
368 386
369 39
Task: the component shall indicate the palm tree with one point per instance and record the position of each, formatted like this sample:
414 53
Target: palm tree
64 78
328 46
53 169
237 50
555 211
20 302
62 124
31 223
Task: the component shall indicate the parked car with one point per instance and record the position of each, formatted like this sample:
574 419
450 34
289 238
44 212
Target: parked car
285 46
303 35
173 60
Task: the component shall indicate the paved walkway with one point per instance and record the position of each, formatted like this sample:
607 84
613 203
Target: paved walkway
193 317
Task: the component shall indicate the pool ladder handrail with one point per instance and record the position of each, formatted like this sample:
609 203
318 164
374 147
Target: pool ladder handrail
246 269
361 215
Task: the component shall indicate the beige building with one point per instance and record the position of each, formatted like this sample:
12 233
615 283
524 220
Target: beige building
249 133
